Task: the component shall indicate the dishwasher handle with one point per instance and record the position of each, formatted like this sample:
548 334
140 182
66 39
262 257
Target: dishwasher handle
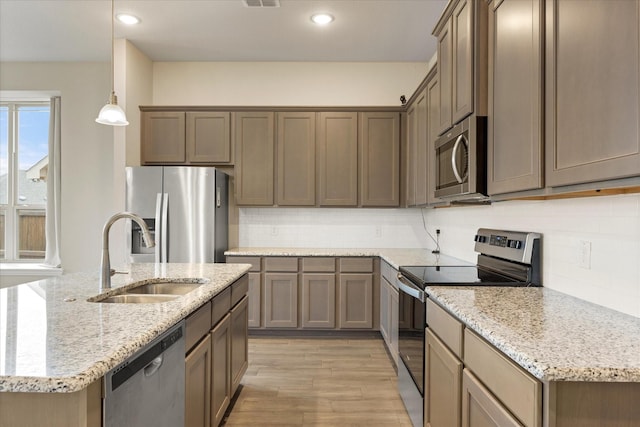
147 360
409 288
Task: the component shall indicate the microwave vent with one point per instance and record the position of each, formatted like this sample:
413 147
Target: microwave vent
261 3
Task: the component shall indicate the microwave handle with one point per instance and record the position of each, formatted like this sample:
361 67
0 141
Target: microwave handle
454 152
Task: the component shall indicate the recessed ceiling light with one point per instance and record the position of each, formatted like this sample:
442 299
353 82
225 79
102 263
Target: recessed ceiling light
125 18
321 18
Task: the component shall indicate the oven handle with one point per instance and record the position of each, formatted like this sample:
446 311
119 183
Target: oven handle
409 288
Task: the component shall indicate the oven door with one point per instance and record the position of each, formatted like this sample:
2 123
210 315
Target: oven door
411 346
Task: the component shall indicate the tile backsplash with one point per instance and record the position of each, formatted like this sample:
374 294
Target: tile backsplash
608 227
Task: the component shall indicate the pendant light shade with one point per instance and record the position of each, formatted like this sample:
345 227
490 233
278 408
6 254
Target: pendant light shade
111 114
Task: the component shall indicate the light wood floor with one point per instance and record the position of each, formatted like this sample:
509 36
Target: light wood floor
318 382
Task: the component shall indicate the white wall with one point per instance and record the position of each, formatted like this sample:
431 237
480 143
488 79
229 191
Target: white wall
610 224
332 228
285 83
87 151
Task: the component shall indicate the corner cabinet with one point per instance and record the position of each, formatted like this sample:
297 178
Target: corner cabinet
592 90
515 127
254 142
379 143
186 138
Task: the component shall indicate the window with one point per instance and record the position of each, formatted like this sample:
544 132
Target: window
24 155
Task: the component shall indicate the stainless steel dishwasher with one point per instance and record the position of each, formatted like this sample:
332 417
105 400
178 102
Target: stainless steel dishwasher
148 388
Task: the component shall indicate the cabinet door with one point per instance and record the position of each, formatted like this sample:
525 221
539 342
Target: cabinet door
337 159
443 373
433 107
254 158
163 137
296 159
319 300
394 326
592 90
239 342
198 385
422 165
480 408
208 137
515 97
385 314
445 71
220 369
356 301
462 75
255 300
379 142
281 300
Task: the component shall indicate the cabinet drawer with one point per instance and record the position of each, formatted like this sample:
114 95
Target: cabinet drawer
516 389
198 325
319 265
253 260
239 289
445 326
356 265
221 306
281 264
389 273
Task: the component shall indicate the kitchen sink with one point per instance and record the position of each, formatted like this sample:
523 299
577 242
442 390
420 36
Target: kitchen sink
138 299
151 291
170 288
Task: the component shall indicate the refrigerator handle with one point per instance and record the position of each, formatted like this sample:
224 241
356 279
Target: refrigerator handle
164 230
158 233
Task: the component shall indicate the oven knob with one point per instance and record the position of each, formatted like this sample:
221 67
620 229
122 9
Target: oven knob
515 244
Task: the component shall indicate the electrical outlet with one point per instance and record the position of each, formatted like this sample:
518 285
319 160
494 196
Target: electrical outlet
378 231
584 254
274 230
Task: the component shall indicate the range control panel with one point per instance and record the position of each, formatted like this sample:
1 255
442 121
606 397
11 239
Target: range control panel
512 245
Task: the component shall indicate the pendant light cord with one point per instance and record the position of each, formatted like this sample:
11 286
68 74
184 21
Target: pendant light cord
113 89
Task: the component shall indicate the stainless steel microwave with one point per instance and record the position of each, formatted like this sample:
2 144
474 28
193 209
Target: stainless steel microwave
461 161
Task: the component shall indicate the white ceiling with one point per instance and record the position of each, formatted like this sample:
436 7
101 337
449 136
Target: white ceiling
221 30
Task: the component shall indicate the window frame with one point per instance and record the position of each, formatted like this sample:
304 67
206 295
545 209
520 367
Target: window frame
13 209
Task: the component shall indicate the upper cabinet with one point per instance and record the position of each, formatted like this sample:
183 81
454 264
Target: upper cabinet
592 102
296 148
417 158
337 159
179 137
379 143
462 60
254 140
514 135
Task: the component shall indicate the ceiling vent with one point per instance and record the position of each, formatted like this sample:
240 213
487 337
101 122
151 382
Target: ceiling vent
261 3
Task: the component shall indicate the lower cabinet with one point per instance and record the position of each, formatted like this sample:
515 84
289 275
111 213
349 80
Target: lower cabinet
217 355
389 300
220 369
319 300
480 408
443 373
356 301
314 292
198 385
281 300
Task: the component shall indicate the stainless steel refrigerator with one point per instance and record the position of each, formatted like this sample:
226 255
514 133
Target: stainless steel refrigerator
186 209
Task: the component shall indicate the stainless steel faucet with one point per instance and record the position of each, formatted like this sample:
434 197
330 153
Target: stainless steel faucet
105 265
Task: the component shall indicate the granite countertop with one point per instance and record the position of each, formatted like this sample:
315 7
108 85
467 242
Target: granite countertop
554 336
51 344
395 257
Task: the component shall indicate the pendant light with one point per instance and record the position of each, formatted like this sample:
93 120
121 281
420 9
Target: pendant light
111 114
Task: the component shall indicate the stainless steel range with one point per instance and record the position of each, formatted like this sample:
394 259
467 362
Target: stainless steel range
505 258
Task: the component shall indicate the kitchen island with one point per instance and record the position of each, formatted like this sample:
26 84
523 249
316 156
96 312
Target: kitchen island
56 345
